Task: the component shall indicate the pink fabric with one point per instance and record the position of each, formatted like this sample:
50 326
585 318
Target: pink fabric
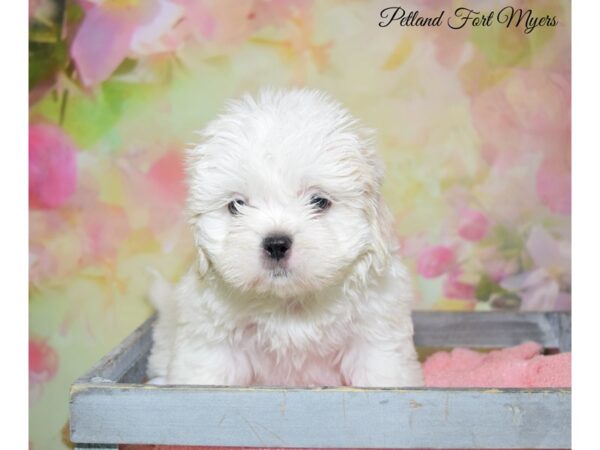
521 366
52 166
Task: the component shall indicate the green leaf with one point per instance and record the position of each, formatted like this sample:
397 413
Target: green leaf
487 288
126 66
73 12
46 60
484 289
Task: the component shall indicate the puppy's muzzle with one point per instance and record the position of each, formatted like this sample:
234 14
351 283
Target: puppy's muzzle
277 247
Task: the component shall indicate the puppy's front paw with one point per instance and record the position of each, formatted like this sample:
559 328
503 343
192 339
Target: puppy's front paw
158 381
407 376
205 363
370 367
199 378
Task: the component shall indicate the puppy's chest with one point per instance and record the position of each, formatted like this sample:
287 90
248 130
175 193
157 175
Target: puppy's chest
294 334
293 351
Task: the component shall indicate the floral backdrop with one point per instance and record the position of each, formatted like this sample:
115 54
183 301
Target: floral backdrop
474 126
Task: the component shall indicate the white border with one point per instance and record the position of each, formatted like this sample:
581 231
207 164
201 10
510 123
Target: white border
586 222
14 219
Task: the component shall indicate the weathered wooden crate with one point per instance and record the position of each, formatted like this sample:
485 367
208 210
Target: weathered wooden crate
110 405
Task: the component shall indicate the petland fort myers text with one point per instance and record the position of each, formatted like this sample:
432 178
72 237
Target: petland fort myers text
463 17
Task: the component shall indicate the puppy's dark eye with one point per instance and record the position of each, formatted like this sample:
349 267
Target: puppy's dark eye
234 206
320 202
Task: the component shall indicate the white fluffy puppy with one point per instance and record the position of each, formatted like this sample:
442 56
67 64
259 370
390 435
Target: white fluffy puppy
297 280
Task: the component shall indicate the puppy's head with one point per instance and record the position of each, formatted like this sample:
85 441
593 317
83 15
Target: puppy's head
284 195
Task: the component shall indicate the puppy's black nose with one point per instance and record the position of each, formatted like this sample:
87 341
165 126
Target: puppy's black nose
277 246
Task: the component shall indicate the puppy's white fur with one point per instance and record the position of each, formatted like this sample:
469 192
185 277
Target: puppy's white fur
337 310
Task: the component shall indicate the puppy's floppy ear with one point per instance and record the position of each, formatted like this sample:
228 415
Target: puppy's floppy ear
202 263
382 234
380 218
193 158
215 136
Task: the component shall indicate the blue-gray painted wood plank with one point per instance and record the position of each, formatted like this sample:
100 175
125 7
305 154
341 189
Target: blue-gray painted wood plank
491 329
322 417
116 365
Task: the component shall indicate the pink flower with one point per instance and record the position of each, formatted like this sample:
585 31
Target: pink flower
538 290
434 261
113 30
161 191
497 268
167 175
553 183
43 365
473 225
456 289
524 113
52 166
43 360
233 20
198 21
549 252
42 264
542 288
105 228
